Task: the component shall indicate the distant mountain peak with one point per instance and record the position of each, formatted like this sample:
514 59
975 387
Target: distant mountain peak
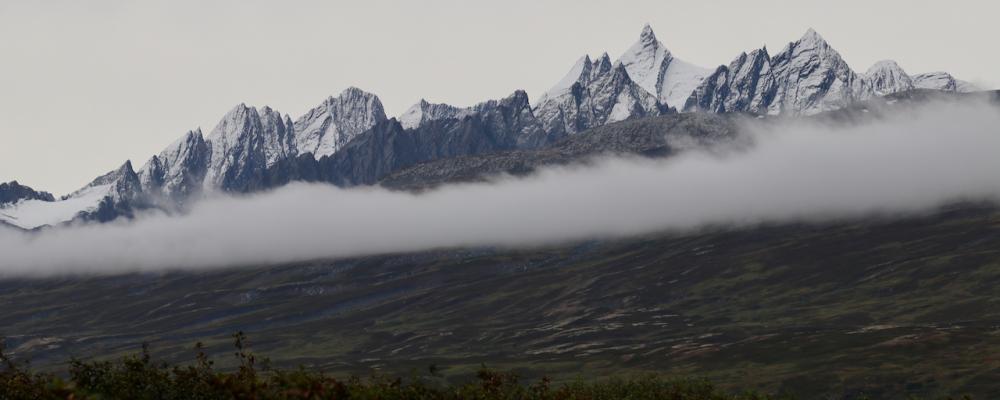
654 68
12 192
761 52
812 35
603 62
593 94
354 91
884 65
942 81
811 41
424 111
620 70
647 35
329 126
245 142
887 77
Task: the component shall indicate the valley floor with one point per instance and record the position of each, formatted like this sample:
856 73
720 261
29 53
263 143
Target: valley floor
886 308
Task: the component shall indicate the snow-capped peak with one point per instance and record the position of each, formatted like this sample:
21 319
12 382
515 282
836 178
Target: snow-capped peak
123 181
178 170
579 69
942 81
812 77
811 42
245 142
119 187
812 37
592 94
654 68
647 33
646 60
887 77
34 213
883 66
601 65
584 71
325 129
244 126
425 111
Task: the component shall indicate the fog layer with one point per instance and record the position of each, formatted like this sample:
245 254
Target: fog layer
905 163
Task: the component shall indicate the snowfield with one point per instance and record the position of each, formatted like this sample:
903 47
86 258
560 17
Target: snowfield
30 214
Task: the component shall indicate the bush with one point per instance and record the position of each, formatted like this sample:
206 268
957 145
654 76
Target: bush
139 377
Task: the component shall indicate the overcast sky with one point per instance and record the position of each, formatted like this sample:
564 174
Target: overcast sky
85 85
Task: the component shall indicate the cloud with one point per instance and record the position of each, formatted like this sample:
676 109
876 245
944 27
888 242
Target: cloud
906 162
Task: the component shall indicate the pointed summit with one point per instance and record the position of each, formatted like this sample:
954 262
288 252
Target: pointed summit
121 185
178 171
619 71
884 65
653 67
580 70
812 77
647 34
811 36
354 91
600 66
761 52
812 39
886 77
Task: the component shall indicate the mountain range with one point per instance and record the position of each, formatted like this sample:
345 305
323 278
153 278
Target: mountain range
348 139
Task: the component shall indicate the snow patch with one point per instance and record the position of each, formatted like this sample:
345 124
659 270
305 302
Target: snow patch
30 214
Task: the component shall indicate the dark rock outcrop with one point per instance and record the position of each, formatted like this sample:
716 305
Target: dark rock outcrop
12 192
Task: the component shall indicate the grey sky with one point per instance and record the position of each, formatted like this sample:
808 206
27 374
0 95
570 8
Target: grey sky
86 85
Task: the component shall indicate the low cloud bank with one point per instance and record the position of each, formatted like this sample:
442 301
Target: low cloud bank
908 162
